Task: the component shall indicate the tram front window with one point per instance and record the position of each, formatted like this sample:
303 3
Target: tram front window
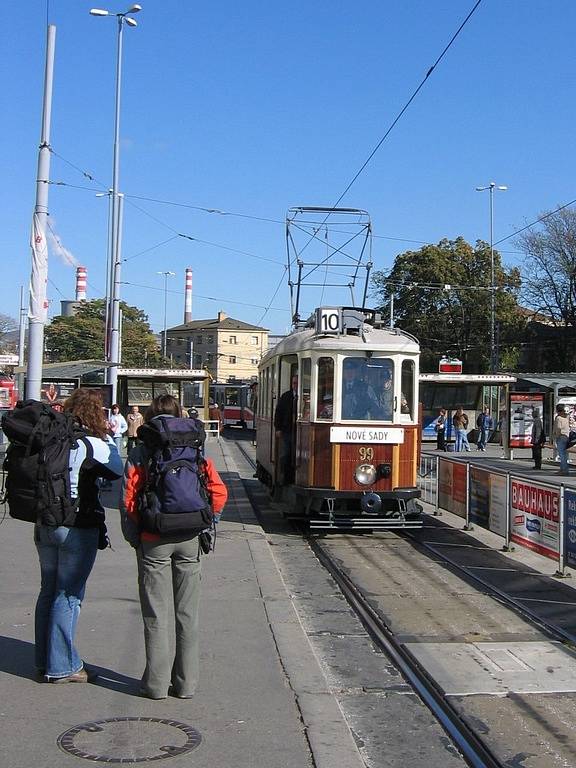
367 390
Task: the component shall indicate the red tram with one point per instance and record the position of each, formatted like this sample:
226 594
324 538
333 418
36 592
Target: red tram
350 455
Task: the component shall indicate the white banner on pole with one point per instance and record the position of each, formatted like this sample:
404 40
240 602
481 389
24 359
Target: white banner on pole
38 302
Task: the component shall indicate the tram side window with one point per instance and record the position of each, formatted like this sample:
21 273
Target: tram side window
232 396
325 401
407 391
367 388
305 375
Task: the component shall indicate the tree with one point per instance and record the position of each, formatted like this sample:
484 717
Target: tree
81 336
549 288
442 296
7 324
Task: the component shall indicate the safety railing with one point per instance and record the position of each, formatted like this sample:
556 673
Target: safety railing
537 515
212 428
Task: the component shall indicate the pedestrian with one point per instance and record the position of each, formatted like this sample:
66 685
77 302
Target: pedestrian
440 429
560 435
484 425
135 420
117 426
169 568
285 426
538 438
460 422
67 553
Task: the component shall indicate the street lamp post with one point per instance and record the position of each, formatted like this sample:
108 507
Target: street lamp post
493 354
166 276
113 279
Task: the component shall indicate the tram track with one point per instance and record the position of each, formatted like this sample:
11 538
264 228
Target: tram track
462 729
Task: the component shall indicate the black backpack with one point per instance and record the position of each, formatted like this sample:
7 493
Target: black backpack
37 465
174 500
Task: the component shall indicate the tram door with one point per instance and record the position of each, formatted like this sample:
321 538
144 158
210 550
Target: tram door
284 421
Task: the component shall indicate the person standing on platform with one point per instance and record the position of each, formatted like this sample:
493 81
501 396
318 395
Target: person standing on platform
485 425
67 552
285 426
560 435
135 419
460 422
169 566
538 438
117 425
440 428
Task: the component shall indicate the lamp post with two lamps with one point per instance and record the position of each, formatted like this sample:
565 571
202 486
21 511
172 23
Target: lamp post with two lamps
166 274
113 280
493 354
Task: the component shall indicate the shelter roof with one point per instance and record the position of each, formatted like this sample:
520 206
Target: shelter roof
564 380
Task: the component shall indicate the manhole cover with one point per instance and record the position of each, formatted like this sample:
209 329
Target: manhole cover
129 739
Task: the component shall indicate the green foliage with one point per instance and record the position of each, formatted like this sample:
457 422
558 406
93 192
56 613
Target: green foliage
81 337
442 296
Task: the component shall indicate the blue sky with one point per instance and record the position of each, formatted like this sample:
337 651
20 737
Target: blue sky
251 108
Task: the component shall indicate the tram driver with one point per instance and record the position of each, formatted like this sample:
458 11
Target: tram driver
359 399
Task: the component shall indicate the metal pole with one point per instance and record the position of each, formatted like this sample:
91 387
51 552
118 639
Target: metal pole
39 273
115 319
115 223
492 297
165 307
391 310
21 329
109 283
561 573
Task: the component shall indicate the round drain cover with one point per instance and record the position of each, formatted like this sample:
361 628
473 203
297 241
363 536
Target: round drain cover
129 739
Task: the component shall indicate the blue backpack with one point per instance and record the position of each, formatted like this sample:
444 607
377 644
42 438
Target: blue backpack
174 501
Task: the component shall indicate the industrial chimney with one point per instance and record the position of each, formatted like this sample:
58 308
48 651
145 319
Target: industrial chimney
81 278
188 296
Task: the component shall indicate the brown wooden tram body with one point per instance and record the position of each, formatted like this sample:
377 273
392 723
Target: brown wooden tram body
328 452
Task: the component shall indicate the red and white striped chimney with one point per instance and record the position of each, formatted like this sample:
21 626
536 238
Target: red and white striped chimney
188 296
81 278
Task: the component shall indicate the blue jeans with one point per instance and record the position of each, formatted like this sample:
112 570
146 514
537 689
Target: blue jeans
483 437
66 559
462 440
562 448
119 440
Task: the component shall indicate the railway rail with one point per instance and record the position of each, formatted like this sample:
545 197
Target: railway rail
469 741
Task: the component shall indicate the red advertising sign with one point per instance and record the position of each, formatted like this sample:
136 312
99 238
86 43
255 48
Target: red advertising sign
535 514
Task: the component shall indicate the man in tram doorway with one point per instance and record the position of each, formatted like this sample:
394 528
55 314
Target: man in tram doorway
285 426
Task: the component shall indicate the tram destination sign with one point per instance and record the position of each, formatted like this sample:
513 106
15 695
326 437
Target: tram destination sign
384 435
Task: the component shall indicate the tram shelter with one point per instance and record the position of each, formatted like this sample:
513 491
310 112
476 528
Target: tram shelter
471 391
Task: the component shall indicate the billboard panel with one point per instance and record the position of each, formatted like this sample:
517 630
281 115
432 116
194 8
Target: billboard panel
535 516
521 410
452 487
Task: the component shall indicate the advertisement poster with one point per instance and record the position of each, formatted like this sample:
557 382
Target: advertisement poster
55 391
535 515
521 417
479 497
570 516
488 500
497 523
452 487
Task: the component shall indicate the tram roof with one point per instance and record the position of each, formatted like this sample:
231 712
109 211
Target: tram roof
373 339
468 378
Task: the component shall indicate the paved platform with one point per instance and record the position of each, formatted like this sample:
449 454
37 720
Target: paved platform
263 699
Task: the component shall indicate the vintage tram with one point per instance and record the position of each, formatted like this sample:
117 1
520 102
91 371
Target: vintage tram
351 455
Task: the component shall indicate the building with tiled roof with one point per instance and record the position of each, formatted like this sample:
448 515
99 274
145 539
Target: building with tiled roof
230 349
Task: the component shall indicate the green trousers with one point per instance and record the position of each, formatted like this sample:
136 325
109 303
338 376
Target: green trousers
169 574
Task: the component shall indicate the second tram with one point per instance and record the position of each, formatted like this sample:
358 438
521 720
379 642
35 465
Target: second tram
236 403
348 455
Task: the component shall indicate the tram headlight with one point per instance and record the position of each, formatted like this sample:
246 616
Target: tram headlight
365 474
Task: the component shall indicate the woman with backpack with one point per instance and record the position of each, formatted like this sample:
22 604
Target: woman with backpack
167 532
67 552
